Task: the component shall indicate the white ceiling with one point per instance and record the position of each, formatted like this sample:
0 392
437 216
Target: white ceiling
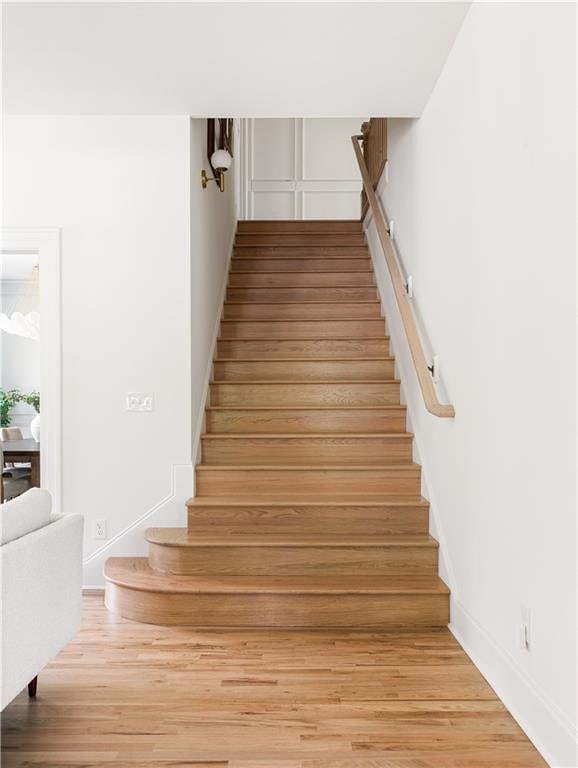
270 59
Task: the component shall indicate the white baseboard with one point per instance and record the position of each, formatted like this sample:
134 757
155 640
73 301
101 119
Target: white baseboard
547 728
200 419
130 542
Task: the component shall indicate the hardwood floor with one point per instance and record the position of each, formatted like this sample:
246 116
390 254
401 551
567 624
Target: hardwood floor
308 520
123 695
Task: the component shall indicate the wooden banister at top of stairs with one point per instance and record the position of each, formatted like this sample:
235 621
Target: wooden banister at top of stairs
430 398
374 145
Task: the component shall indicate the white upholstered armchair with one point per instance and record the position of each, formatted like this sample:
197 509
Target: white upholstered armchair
41 570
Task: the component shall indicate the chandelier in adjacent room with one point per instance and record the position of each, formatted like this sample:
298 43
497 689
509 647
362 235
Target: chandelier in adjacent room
22 323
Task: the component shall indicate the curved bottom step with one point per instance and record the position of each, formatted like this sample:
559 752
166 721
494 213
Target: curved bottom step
137 592
180 551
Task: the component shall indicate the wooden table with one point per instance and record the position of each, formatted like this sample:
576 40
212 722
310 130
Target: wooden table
23 451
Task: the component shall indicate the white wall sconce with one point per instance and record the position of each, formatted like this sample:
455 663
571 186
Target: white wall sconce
221 161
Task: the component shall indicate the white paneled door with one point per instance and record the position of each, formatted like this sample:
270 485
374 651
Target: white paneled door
299 168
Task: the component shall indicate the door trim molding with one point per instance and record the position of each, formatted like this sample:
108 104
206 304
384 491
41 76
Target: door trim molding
46 243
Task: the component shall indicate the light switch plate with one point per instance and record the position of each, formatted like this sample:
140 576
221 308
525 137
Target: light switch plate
140 401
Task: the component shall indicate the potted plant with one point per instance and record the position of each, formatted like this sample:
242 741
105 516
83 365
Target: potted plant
8 399
33 399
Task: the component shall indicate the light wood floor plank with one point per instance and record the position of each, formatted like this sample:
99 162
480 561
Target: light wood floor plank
123 695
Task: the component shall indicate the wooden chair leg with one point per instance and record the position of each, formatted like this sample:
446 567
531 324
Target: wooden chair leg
32 685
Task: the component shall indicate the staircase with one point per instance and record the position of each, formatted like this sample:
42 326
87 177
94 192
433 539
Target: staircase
308 511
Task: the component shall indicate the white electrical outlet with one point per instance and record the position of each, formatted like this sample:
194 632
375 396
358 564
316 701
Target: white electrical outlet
140 401
524 629
100 529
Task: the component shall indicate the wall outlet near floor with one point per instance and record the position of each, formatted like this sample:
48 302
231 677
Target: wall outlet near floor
524 627
139 401
100 529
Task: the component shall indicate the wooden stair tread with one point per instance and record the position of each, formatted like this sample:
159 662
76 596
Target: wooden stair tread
306 435
304 301
181 537
387 358
297 286
316 233
259 226
308 338
312 272
293 382
289 286
410 466
305 226
135 573
240 257
301 257
302 320
305 500
384 407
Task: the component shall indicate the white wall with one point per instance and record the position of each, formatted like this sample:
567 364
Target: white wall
481 190
119 187
213 224
296 168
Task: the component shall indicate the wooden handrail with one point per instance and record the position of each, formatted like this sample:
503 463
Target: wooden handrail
431 401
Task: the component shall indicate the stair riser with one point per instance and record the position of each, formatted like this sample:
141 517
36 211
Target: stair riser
378 393
293 251
303 348
302 294
303 520
306 450
294 560
296 329
294 227
299 279
301 370
279 421
306 239
245 483
279 611
307 264
303 311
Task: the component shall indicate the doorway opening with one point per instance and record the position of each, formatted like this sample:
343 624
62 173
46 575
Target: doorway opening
30 362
